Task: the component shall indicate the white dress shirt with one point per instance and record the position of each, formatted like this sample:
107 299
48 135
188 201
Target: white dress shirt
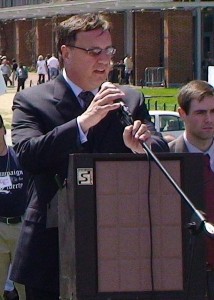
77 90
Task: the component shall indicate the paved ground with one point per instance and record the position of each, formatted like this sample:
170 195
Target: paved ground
6 101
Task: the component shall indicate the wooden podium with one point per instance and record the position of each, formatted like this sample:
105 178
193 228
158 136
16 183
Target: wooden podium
122 228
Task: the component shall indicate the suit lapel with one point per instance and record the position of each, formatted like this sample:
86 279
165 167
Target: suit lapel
68 105
180 145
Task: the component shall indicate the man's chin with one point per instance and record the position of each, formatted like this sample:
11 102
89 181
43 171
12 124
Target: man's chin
100 82
100 75
207 136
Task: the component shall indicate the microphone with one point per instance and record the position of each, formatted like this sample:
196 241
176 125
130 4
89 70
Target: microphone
124 114
126 119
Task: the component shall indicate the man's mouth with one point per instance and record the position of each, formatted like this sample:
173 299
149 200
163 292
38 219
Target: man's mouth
208 128
100 71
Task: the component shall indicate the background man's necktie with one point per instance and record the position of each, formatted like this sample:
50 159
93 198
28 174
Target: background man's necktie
87 97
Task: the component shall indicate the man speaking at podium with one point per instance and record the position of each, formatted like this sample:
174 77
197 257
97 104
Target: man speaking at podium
76 112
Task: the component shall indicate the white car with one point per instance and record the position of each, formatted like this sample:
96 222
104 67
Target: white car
167 122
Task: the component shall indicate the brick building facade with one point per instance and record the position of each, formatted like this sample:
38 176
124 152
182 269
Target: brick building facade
159 38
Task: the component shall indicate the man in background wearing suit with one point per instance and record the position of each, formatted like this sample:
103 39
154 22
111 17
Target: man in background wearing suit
52 120
196 109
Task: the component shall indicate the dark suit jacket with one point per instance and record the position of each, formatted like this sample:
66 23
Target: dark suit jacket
44 133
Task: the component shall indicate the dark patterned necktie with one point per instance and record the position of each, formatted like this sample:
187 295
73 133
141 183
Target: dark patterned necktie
87 97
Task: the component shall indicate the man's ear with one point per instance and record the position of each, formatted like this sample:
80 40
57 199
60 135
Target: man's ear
181 112
65 52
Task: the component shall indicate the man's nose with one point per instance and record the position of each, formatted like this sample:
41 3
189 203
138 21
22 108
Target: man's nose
104 57
209 117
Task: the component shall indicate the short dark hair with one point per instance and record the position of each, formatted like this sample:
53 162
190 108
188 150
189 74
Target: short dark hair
68 29
194 90
1 122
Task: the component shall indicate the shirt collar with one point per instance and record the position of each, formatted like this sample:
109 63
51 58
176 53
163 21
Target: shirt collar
192 149
75 88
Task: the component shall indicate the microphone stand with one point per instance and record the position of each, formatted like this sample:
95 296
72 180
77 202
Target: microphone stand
199 223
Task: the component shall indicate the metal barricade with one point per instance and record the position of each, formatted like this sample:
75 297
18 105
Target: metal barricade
155 76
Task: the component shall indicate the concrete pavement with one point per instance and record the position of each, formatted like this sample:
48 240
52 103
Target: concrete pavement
6 101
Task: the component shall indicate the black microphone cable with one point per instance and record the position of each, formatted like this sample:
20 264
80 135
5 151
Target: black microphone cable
150 225
126 119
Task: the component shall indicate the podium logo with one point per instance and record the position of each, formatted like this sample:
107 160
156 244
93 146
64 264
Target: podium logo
85 176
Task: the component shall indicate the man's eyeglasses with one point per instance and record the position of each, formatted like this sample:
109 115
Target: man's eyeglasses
97 51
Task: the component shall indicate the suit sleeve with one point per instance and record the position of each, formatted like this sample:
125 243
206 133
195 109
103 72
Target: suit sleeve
141 113
39 143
